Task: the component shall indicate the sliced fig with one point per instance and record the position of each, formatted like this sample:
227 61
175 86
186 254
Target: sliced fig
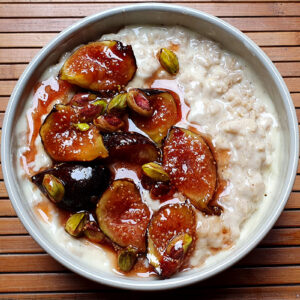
164 116
191 166
82 185
65 142
123 216
171 237
100 66
130 146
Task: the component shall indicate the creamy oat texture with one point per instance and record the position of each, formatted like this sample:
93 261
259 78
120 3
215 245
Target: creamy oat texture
229 104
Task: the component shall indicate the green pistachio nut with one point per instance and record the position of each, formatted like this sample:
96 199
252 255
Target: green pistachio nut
126 259
54 188
93 232
82 126
155 172
169 61
75 224
119 102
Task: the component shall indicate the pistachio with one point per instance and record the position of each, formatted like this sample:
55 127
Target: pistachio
75 224
109 123
82 126
155 171
126 259
139 103
179 246
168 61
101 103
54 188
93 232
119 102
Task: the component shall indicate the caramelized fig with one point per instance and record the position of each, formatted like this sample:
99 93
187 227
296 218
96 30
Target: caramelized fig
123 216
109 123
100 66
82 184
63 142
164 116
130 146
92 232
171 235
190 165
83 99
139 103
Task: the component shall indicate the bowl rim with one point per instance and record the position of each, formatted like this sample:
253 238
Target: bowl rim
123 282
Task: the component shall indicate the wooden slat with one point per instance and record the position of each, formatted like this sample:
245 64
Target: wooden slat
82 10
288 68
10 40
296 186
11 71
29 263
293 83
282 237
247 293
11 226
19 244
3 103
296 99
58 24
6 209
123 2
294 200
289 219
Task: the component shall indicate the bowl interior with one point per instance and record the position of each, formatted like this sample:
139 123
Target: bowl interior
92 28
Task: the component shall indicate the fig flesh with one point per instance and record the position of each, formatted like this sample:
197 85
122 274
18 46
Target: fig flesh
171 235
100 66
123 216
83 184
191 166
164 116
64 142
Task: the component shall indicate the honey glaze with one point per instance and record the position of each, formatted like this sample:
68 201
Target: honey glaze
45 95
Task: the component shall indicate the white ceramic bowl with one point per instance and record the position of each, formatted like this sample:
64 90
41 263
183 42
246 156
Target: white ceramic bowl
92 28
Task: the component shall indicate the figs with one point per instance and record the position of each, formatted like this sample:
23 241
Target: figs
163 117
123 216
171 236
82 185
191 166
130 146
64 140
100 66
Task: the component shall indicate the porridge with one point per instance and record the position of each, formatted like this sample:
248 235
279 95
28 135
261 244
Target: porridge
217 130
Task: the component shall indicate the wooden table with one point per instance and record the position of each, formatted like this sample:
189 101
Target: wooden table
271 271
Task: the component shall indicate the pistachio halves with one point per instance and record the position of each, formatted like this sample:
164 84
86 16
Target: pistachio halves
168 60
119 102
139 103
155 171
75 224
54 188
126 259
179 245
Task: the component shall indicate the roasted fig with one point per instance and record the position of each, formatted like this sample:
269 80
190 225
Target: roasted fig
130 146
190 165
123 216
164 116
64 142
100 66
93 233
171 235
82 184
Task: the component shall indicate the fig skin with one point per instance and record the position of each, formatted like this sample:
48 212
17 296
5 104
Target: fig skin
63 142
191 166
165 114
130 146
169 222
123 216
83 184
100 66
